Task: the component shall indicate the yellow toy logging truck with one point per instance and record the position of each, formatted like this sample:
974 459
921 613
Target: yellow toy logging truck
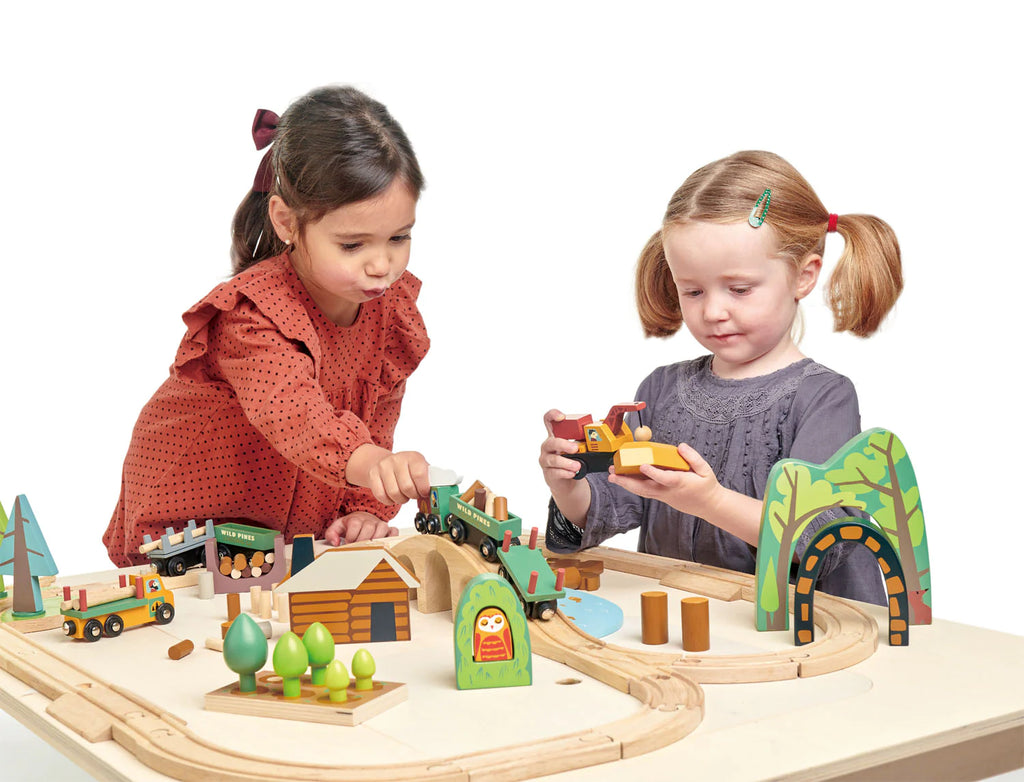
107 610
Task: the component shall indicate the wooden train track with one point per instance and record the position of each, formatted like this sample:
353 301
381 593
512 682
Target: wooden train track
672 701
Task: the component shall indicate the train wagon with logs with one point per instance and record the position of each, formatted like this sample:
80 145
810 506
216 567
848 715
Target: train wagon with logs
239 547
107 610
479 517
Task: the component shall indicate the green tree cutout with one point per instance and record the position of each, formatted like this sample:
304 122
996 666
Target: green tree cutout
797 494
363 668
336 681
872 472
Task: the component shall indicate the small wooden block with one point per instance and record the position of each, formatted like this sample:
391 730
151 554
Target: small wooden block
83 717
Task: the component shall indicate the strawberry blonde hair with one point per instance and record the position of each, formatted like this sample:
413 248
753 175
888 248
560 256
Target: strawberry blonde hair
862 289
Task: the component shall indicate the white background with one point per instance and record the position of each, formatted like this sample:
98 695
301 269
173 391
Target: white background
551 136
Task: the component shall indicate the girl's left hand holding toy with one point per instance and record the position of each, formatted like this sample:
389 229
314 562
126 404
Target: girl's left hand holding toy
698 492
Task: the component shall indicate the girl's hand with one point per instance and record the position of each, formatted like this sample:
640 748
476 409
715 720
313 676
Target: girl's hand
392 477
555 466
357 526
696 491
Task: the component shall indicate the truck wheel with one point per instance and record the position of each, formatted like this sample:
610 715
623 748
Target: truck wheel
70 627
583 468
92 630
176 566
113 626
164 613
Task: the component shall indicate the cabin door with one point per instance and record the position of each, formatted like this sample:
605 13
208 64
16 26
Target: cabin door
382 622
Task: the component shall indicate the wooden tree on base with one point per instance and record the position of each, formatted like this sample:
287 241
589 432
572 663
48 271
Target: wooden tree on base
25 555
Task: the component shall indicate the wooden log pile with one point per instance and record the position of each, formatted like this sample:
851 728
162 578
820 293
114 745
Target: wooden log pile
246 565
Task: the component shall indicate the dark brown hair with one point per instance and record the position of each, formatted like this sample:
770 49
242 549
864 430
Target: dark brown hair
334 146
863 287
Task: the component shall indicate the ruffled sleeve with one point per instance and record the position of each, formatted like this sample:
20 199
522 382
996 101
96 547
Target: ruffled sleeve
266 350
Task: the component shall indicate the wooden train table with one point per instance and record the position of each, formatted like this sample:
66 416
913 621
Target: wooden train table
950 705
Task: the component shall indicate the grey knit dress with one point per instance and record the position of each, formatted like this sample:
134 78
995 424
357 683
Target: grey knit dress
741 428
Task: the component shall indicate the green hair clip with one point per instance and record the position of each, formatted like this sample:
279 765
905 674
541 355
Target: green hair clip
755 219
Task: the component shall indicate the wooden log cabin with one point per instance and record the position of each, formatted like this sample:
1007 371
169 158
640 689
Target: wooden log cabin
360 594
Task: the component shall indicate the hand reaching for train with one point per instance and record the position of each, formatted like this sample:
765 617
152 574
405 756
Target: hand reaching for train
392 477
357 526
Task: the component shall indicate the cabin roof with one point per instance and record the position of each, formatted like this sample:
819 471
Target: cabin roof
343 568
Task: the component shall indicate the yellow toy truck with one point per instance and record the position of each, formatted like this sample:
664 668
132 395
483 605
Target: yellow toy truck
108 610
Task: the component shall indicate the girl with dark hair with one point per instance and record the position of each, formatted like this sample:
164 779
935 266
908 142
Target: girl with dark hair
282 401
740 245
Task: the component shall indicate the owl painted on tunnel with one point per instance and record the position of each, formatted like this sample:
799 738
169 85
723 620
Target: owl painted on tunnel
492 639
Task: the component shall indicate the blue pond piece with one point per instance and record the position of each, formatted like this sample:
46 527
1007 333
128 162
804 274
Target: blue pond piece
590 613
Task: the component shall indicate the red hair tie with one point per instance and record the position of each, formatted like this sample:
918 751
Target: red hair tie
833 221
264 129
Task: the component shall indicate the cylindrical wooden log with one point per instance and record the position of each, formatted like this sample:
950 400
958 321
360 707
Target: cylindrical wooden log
258 559
654 617
533 582
696 629
205 585
225 566
269 557
506 540
254 598
234 605
533 538
559 579
266 610
480 499
281 602
240 562
501 508
181 649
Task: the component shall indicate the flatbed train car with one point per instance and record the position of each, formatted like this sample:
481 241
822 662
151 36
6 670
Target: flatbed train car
447 513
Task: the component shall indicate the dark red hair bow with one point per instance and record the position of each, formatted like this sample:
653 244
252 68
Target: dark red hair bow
264 128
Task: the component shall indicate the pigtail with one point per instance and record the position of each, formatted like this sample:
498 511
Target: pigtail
657 300
868 277
253 238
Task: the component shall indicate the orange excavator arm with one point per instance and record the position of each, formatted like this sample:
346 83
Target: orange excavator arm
618 412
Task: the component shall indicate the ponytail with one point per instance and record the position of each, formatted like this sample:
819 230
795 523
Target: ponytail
868 277
253 238
656 297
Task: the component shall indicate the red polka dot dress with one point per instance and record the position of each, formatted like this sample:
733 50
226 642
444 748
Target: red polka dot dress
265 403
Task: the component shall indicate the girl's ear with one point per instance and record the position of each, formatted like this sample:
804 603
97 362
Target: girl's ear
807 275
283 219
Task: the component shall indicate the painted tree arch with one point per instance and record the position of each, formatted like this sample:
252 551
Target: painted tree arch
850 530
873 473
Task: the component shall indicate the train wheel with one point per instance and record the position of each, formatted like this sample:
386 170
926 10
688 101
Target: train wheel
176 566
545 609
456 530
420 522
113 626
70 627
433 525
503 573
488 550
164 613
92 630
